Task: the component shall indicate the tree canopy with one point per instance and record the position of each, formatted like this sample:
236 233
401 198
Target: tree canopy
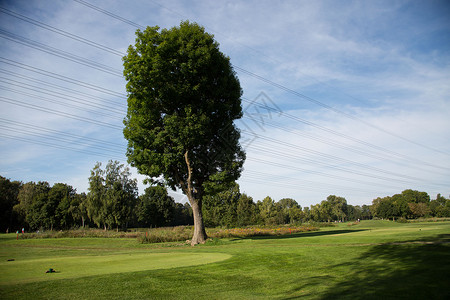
112 194
183 97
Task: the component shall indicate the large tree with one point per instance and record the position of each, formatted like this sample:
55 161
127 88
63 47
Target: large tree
221 209
183 97
9 191
155 207
112 195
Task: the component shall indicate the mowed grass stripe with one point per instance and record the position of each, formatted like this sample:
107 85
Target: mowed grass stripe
31 270
370 260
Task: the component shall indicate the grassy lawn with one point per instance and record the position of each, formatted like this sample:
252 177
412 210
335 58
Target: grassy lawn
372 260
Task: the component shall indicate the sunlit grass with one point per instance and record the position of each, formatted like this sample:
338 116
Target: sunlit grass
370 260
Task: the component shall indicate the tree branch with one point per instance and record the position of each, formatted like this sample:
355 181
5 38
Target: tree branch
189 179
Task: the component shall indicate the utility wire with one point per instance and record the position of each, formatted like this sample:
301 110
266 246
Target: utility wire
107 144
59 53
47 144
62 103
61 77
261 178
299 183
381 157
62 88
62 139
61 32
108 13
59 113
58 95
284 88
277 154
311 172
83 2
383 150
337 160
319 103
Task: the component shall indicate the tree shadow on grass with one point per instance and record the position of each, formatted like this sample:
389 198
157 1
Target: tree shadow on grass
418 269
304 234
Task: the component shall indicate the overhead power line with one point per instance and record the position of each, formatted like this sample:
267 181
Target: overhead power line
106 144
284 88
335 110
383 150
59 53
62 139
61 32
286 154
57 146
339 163
61 77
382 157
325 161
295 183
108 13
59 113
63 88
60 96
62 103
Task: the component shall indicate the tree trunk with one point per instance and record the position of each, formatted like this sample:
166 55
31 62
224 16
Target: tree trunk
199 236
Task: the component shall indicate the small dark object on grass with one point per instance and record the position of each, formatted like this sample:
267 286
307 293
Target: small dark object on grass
11 259
50 271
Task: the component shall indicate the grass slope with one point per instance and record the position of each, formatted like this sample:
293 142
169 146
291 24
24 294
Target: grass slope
372 260
31 270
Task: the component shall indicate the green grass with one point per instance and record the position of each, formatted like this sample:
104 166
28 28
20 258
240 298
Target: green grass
371 260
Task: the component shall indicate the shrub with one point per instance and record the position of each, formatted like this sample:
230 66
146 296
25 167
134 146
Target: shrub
402 220
173 234
166 234
79 233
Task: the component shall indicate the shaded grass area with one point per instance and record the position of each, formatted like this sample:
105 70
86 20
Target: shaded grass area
373 260
415 269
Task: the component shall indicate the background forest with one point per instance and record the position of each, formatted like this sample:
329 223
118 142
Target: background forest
113 202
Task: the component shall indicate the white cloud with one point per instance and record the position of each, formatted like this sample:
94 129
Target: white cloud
367 59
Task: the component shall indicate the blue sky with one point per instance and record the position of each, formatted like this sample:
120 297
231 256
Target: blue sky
350 98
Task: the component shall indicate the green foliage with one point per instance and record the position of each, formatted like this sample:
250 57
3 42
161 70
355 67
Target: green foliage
35 206
409 204
268 211
9 190
339 207
112 195
221 209
39 206
289 211
155 208
183 97
111 202
440 207
412 196
333 209
183 214
166 235
246 211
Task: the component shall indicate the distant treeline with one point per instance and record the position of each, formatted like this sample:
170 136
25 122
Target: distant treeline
112 202
231 208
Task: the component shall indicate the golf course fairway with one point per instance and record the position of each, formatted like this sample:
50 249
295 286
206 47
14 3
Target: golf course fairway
31 270
374 259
